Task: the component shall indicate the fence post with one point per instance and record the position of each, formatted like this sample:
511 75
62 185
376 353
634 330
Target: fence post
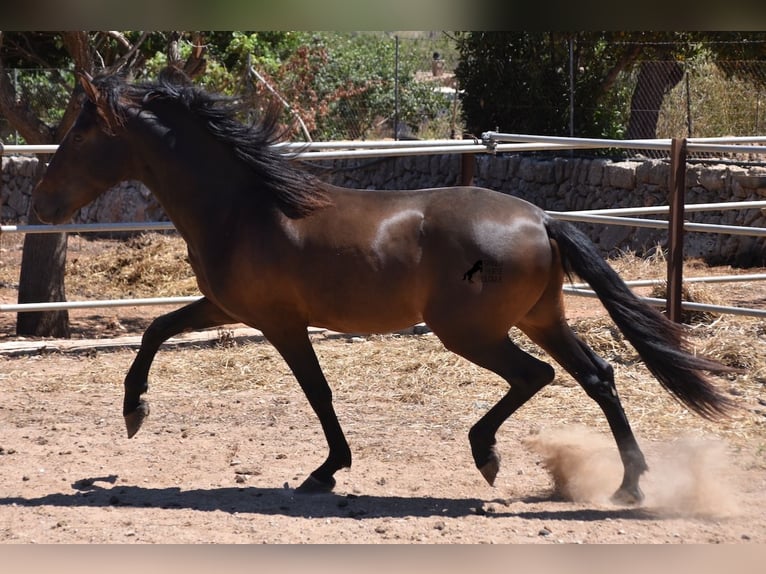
676 229
467 168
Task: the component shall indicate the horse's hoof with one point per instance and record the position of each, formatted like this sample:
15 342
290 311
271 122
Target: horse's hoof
313 485
490 469
135 418
628 496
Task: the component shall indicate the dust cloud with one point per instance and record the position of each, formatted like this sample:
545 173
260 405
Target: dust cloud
688 477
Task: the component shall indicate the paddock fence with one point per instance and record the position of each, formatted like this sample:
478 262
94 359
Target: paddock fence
493 143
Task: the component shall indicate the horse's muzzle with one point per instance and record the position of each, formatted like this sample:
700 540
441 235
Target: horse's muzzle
47 212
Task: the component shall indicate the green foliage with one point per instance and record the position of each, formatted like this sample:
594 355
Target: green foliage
343 85
230 54
515 82
48 90
519 81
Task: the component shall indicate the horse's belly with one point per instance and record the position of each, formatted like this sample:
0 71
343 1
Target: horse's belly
366 313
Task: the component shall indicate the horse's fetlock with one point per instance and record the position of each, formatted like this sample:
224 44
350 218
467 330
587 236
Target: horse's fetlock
598 387
636 463
482 445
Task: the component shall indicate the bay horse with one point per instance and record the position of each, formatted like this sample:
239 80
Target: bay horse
274 247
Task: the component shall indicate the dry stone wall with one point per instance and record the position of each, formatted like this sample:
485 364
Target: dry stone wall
128 201
569 184
558 184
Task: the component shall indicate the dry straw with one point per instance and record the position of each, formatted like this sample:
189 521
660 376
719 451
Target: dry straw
414 372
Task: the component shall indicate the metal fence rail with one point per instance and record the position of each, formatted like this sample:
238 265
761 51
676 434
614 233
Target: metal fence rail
491 142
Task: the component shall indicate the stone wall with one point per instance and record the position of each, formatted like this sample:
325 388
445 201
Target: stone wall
569 184
558 184
128 201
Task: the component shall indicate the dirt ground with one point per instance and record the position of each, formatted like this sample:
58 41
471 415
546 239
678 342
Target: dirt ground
230 436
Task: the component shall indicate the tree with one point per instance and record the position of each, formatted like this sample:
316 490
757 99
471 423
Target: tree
655 79
44 255
505 76
519 81
343 84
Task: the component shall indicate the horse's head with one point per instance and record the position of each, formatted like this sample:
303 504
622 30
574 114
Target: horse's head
91 158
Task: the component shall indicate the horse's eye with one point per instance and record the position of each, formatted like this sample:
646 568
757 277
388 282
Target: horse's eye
77 138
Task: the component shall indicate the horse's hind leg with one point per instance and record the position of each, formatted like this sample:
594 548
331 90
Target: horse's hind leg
198 315
596 376
525 374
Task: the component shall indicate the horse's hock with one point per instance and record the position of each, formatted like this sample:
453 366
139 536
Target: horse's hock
558 184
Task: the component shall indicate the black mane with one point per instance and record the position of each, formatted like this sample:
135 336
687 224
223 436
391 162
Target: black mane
296 192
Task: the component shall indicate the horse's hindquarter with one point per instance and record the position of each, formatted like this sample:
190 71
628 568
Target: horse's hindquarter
490 257
381 261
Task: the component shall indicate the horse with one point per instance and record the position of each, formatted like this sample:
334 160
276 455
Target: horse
275 247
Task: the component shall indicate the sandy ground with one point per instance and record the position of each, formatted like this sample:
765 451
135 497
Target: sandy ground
217 461
230 436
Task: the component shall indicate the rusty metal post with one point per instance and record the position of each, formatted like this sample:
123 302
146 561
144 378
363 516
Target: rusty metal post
467 168
676 228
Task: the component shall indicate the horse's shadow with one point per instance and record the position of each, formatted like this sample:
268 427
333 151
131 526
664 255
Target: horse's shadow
286 502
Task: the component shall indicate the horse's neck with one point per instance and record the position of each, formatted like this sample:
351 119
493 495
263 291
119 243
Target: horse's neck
199 184
179 175
182 194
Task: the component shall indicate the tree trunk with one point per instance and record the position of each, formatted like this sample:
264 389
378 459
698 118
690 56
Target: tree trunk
655 79
43 263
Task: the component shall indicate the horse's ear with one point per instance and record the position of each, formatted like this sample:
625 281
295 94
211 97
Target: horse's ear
86 81
103 109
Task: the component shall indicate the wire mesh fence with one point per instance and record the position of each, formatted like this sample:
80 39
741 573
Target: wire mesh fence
721 99
700 99
695 99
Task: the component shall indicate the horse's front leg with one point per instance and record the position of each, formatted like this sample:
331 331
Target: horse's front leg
198 315
295 347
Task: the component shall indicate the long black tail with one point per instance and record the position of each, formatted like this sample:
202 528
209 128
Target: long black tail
660 342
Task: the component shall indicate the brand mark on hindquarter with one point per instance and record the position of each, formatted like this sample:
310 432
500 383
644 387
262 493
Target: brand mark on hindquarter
490 272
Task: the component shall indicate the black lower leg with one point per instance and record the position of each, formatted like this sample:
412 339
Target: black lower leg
134 408
596 376
482 435
526 375
603 391
198 315
322 479
295 347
